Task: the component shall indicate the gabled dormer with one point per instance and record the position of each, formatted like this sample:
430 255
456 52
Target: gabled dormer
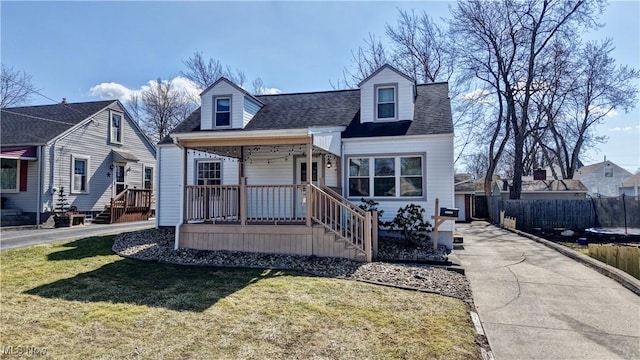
386 95
225 105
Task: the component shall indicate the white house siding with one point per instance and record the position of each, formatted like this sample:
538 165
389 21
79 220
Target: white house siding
250 109
92 140
237 107
439 172
598 184
170 167
25 200
405 95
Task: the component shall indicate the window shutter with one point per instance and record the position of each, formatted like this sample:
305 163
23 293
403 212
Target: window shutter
24 169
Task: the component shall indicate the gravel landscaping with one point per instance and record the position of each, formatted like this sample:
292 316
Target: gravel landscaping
157 245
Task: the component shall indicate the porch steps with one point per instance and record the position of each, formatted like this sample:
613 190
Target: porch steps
104 217
334 246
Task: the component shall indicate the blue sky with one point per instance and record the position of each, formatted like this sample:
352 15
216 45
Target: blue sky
71 47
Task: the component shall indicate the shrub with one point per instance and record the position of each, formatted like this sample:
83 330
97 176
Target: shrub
370 205
410 223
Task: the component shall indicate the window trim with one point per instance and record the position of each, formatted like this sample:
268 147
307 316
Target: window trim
205 160
17 189
394 86
87 160
144 170
397 176
215 111
111 127
608 169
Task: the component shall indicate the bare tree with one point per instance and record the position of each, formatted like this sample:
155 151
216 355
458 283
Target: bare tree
364 62
590 88
504 44
420 47
16 87
204 73
134 105
164 107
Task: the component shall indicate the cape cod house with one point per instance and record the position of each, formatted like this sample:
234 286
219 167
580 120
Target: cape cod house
235 174
94 151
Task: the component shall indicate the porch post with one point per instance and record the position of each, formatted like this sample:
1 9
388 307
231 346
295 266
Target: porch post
183 199
374 234
243 201
368 230
309 179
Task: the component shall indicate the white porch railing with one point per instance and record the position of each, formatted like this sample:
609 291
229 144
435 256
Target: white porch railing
212 203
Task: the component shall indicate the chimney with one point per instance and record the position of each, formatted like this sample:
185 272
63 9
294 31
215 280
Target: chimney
64 101
539 174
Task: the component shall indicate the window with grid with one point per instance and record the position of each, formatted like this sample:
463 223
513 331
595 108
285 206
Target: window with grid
209 173
116 128
148 178
79 181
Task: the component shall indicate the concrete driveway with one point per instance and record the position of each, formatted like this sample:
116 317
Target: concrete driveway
535 303
21 238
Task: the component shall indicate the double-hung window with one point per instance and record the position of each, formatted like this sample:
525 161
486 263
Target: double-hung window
222 116
386 102
79 176
608 171
386 176
116 128
209 173
9 175
148 178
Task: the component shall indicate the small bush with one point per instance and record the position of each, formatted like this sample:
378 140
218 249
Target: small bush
410 223
370 205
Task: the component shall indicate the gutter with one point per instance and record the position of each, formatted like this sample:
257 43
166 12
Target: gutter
39 193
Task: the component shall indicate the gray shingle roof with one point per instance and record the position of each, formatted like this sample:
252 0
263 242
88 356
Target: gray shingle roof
432 114
36 125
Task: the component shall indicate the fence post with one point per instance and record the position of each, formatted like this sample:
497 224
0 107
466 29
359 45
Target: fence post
374 234
367 236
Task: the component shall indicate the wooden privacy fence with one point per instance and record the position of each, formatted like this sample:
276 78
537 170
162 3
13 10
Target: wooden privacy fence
545 214
625 258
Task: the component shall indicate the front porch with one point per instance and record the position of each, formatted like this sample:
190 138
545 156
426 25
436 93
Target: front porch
291 219
276 204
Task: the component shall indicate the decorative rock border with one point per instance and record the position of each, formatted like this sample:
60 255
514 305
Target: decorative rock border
157 245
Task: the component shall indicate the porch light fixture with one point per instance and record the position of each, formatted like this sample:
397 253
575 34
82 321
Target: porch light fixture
329 164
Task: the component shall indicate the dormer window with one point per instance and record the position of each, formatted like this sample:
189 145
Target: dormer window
222 114
386 102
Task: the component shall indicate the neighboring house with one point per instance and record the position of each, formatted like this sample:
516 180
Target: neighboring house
235 174
92 150
464 188
603 178
543 190
631 186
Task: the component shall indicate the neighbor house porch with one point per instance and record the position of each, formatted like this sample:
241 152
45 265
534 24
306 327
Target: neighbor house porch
267 198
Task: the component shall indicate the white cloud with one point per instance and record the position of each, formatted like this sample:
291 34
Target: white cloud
269 91
626 128
597 110
110 90
476 95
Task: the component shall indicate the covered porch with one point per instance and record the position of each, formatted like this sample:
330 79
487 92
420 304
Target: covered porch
276 203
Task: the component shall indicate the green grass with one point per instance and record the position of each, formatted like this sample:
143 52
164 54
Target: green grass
584 249
77 300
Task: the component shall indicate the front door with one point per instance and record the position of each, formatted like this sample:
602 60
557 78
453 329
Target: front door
119 181
302 174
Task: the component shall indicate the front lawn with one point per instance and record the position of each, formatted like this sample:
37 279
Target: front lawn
76 300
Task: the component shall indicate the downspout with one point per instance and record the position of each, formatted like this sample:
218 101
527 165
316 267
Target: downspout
39 193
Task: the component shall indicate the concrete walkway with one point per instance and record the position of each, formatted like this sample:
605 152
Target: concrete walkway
21 238
535 303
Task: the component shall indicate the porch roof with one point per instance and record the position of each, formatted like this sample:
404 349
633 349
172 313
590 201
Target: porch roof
242 138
